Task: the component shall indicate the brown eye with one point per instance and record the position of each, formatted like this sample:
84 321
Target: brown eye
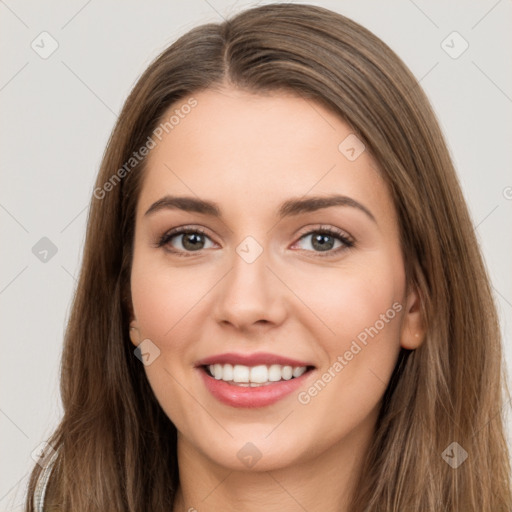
185 240
192 241
322 242
325 240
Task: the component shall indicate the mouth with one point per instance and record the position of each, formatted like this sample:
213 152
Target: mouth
256 380
254 376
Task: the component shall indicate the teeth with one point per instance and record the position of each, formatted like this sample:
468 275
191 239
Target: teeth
259 374
298 371
217 371
240 373
227 372
254 375
287 372
274 373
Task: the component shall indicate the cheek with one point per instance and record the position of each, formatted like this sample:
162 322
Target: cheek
165 302
365 305
365 315
352 300
164 297
362 308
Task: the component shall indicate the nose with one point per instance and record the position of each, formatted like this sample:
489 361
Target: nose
250 297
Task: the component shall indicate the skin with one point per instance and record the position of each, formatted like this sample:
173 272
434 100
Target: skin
250 153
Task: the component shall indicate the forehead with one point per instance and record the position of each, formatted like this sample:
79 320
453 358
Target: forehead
260 150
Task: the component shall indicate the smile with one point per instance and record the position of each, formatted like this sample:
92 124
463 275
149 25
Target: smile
261 375
256 380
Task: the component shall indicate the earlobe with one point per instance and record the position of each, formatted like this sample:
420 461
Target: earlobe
134 333
413 328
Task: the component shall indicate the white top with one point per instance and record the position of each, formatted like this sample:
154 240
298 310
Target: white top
42 483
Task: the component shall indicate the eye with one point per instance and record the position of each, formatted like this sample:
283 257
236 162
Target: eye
325 240
185 239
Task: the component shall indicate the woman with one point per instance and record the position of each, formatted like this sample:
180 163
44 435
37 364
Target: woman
282 303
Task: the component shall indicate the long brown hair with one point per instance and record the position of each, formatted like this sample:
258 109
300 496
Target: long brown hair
117 448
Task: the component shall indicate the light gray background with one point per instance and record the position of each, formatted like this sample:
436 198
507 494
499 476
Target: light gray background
57 114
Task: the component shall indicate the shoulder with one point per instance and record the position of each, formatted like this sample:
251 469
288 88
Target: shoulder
42 481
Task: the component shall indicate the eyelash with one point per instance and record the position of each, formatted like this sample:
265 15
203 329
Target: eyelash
324 230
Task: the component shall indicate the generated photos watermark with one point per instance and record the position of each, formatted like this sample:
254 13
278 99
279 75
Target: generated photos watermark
357 345
151 142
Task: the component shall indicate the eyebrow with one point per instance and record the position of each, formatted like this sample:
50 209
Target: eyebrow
289 208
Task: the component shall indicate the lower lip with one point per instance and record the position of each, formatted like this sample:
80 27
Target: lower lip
261 396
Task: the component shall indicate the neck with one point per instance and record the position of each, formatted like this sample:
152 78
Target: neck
324 482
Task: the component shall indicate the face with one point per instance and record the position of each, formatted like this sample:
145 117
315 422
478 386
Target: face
268 284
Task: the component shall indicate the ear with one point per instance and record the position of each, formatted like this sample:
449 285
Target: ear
413 329
134 333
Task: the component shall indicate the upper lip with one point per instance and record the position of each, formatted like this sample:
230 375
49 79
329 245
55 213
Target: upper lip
258 358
